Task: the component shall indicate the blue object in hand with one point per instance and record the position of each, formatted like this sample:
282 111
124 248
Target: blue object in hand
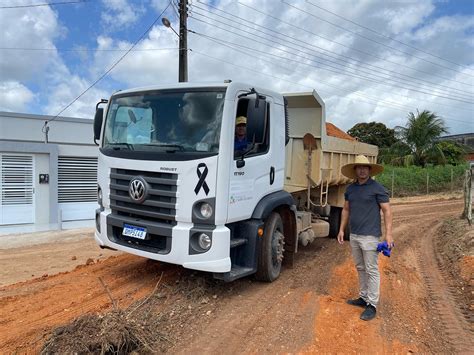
385 248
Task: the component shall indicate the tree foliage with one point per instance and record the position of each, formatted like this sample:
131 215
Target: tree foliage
453 152
375 133
419 140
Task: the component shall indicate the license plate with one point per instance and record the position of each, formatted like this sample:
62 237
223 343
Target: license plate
134 232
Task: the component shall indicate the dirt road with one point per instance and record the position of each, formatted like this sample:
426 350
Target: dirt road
303 311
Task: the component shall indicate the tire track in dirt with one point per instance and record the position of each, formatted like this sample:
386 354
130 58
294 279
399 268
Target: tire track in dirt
422 221
268 318
458 331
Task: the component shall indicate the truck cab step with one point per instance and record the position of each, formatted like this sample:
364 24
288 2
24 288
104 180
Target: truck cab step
235 273
238 241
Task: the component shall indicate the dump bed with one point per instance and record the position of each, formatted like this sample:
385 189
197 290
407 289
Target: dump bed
307 115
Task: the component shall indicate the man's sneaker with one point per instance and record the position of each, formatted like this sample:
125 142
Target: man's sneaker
358 302
369 313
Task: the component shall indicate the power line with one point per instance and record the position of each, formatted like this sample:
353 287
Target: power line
44 4
113 65
312 45
230 44
337 70
324 59
370 39
286 80
175 9
281 66
338 88
336 42
325 50
381 34
85 49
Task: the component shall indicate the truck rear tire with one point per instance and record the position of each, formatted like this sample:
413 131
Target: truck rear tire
272 248
335 217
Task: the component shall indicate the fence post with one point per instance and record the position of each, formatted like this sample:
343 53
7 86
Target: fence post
427 183
467 213
452 181
393 180
469 197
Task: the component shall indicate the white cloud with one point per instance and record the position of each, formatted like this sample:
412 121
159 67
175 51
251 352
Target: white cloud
120 14
14 96
27 28
350 97
65 91
406 16
150 63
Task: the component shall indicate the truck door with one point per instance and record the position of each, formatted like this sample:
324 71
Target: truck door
252 174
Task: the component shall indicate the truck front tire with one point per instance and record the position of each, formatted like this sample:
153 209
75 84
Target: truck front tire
271 249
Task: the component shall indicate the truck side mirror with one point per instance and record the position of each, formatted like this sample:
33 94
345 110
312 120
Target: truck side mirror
98 118
240 163
256 121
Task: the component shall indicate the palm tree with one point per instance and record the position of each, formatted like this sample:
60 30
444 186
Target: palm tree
418 139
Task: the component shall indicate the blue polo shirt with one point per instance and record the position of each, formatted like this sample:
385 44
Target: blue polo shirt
364 207
240 145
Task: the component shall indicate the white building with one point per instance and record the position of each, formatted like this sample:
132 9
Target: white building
46 185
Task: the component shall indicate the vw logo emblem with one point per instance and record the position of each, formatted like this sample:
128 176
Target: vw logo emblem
137 190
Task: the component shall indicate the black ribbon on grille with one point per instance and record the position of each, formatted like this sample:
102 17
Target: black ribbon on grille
202 179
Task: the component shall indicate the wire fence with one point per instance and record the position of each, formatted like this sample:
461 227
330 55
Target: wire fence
414 180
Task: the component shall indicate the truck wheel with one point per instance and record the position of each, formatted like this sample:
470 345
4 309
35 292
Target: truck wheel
272 248
335 217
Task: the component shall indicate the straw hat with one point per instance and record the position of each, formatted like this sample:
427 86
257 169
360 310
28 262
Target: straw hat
349 169
241 120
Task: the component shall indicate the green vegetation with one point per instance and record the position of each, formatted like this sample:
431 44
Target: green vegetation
453 152
412 180
375 133
418 139
417 143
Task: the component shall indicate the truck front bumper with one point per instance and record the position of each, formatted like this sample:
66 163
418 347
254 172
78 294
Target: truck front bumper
216 259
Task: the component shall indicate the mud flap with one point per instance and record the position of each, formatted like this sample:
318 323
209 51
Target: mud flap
288 216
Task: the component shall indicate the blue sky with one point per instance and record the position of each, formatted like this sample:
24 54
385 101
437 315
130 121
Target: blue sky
360 80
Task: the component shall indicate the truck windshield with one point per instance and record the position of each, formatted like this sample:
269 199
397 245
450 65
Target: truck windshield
165 121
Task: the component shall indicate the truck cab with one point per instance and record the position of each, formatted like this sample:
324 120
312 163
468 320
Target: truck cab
172 187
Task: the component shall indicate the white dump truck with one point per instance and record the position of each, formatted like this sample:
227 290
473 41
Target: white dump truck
173 188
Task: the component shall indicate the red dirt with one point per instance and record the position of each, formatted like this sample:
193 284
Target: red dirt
333 131
303 311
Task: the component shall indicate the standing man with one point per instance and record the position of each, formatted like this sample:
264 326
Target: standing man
363 201
240 142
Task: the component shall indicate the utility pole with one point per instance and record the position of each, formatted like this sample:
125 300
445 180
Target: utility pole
183 41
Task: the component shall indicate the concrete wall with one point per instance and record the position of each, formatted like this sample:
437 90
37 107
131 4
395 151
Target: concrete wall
28 128
22 133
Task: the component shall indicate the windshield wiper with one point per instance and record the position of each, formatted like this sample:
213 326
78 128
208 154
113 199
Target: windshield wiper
119 146
174 147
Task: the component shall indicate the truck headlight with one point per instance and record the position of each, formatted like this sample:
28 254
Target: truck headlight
206 210
99 197
204 241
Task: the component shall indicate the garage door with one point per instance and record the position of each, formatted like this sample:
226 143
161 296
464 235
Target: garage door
17 189
77 187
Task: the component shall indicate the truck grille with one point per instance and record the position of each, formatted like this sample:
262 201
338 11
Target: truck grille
157 213
160 205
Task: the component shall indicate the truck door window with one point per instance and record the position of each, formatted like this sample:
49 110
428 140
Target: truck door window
256 128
